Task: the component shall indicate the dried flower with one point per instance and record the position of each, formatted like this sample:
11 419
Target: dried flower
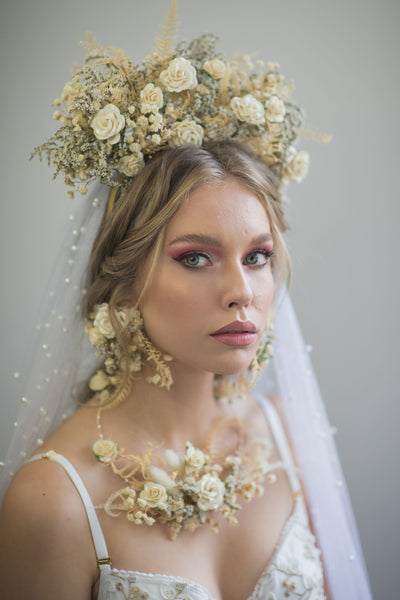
215 67
108 123
275 109
187 132
186 95
99 381
105 450
297 168
248 109
131 164
154 495
179 76
102 321
152 98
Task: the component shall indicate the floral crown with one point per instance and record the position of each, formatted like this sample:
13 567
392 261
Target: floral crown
115 114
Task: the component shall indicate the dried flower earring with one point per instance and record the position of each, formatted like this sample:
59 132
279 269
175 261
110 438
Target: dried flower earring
123 360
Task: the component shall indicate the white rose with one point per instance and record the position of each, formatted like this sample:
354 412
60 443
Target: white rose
105 450
102 321
194 459
180 75
211 492
275 109
152 98
108 123
215 67
248 109
298 166
131 164
154 494
99 381
186 132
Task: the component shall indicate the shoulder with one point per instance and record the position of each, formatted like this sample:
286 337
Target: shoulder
45 535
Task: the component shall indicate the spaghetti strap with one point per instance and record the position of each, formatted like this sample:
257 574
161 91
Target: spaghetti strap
99 542
281 441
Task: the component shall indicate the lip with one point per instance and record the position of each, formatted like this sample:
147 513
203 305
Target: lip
238 333
237 327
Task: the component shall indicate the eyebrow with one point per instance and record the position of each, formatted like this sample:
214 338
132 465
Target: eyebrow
208 240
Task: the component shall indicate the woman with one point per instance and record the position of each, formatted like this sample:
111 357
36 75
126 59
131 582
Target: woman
184 275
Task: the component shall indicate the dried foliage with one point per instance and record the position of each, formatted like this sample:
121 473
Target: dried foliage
114 114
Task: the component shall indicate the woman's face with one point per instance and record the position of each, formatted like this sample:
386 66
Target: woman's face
213 274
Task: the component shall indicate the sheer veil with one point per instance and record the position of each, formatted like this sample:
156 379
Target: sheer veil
60 360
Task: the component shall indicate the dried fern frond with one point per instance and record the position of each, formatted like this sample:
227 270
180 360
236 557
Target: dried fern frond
315 135
165 40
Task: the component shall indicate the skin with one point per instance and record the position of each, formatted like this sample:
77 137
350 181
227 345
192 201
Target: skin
197 287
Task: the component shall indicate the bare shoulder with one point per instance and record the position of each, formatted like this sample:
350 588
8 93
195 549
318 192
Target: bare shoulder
45 536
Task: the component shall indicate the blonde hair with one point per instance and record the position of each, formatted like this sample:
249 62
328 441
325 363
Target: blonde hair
137 225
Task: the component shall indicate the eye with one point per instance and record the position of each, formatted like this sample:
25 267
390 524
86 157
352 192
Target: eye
258 257
194 260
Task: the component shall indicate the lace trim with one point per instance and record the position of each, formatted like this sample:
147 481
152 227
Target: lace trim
297 515
160 578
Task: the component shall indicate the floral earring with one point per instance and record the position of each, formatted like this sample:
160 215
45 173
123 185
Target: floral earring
123 360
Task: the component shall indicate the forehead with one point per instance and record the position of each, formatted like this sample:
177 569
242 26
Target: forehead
224 208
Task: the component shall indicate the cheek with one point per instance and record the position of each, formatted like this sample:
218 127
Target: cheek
263 290
172 299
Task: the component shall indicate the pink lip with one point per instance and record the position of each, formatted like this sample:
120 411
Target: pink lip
238 333
237 327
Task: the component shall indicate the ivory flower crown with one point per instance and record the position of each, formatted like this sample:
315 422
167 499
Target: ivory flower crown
115 114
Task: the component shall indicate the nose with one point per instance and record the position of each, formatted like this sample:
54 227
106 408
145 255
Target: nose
236 289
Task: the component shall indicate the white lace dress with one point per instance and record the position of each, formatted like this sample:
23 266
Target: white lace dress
294 571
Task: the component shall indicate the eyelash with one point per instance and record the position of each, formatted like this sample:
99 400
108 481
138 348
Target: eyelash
181 259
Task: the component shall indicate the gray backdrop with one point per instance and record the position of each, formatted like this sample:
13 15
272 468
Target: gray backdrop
343 56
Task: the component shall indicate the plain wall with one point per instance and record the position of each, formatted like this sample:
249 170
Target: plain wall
343 56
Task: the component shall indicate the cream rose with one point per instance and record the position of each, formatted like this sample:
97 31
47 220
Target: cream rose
275 109
186 132
248 109
99 381
215 67
152 99
102 321
194 459
179 76
108 123
131 164
211 492
298 166
105 450
154 494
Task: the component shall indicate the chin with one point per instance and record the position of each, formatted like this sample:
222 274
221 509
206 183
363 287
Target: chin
234 368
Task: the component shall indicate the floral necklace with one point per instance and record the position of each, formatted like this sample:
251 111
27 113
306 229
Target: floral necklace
185 491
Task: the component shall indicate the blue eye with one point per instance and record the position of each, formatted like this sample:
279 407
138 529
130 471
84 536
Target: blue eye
258 257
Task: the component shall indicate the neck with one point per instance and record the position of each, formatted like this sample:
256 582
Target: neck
185 412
